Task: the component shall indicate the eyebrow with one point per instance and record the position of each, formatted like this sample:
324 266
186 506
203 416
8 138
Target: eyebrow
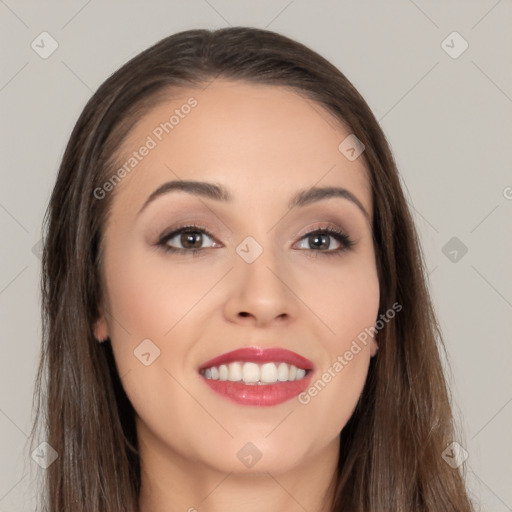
220 193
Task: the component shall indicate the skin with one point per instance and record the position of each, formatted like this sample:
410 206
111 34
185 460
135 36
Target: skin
264 143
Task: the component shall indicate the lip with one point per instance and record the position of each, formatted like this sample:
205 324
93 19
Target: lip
261 395
260 355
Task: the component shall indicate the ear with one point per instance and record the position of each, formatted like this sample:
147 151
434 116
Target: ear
374 347
101 327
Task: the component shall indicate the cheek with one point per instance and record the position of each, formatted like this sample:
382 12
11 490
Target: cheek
347 304
149 294
345 297
151 299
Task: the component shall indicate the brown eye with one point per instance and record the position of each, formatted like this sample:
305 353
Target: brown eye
319 241
191 239
186 239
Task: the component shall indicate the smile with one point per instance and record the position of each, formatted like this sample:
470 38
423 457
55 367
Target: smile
253 373
256 376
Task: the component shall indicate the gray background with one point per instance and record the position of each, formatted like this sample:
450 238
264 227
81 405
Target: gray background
447 119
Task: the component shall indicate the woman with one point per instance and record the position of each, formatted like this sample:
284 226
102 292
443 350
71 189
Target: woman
234 303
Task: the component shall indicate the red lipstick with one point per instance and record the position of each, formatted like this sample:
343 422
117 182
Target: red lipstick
264 394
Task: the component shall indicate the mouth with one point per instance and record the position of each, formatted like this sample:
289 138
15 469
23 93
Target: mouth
256 376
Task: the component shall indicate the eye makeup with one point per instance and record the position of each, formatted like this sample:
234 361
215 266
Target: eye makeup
311 237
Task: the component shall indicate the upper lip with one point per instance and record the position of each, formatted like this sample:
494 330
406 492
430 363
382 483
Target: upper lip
260 355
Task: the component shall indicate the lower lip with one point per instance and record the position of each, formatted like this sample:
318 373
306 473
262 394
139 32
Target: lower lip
259 394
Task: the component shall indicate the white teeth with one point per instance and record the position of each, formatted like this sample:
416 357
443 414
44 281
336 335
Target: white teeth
268 372
253 373
235 372
250 373
223 372
282 372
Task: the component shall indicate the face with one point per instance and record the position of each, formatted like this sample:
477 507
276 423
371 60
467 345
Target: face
254 273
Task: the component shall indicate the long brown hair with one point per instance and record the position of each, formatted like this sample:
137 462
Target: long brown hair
391 448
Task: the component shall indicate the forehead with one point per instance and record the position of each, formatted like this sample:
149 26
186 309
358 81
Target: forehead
263 142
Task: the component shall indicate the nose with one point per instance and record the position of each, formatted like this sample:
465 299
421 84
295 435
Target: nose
261 292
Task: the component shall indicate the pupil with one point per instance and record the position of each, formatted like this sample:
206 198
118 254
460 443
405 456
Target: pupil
189 237
315 239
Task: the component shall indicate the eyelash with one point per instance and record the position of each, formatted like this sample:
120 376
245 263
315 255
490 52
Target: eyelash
346 242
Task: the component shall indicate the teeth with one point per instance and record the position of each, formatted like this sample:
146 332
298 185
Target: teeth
234 373
223 372
268 372
282 372
253 373
300 373
250 373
